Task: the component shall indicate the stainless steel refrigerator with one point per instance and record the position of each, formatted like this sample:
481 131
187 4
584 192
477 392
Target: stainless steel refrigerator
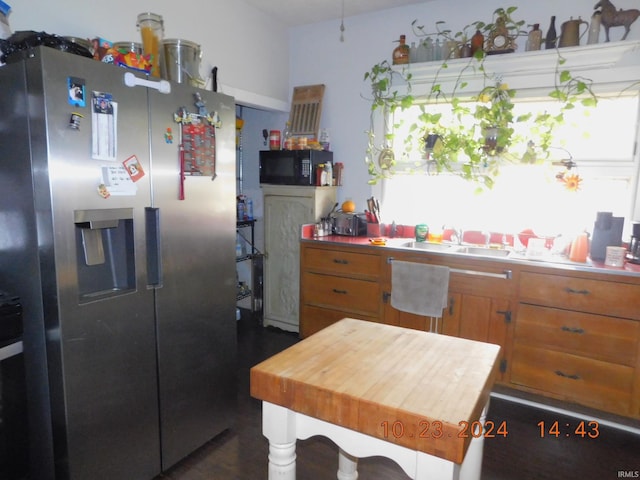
117 231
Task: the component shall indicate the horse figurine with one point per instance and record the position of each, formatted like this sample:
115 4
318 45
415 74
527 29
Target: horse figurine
611 17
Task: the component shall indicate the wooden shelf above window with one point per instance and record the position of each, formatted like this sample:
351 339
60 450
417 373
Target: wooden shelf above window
611 66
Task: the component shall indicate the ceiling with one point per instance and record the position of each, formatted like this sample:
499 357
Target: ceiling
302 12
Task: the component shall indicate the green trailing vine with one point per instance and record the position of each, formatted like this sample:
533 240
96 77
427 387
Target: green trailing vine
476 152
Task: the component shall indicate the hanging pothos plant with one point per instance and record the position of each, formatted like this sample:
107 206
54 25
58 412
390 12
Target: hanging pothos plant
479 135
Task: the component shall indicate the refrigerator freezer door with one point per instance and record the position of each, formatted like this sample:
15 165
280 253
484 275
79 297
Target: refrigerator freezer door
195 303
98 314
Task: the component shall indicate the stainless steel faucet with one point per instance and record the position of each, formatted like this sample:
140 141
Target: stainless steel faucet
457 235
487 238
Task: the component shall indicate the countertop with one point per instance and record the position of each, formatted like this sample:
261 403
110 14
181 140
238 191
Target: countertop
548 261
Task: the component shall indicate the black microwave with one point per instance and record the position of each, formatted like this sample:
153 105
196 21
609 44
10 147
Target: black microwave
292 167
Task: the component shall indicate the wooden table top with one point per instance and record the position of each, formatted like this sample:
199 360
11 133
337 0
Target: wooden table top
417 389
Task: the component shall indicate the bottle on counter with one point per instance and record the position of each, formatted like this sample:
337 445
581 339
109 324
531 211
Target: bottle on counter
327 178
401 52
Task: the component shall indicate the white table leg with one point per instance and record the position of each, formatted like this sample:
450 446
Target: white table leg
347 466
282 427
471 468
279 426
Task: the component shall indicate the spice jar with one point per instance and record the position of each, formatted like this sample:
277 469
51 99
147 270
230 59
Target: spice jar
152 30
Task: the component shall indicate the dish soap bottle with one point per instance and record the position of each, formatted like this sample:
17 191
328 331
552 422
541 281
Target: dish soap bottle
401 52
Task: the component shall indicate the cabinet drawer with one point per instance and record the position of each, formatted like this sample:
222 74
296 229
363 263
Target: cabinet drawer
341 263
345 294
595 336
585 381
586 295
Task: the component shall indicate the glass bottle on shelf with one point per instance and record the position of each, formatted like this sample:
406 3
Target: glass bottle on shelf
535 38
552 36
594 28
437 50
401 52
428 50
413 53
287 137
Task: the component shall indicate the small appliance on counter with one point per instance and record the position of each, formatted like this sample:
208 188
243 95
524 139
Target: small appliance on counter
607 231
634 245
350 224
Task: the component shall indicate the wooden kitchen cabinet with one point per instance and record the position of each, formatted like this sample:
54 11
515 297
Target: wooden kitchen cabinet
286 209
577 339
568 334
336 283
479 307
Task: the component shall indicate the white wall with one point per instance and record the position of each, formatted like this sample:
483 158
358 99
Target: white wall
249 49
259 59
318 56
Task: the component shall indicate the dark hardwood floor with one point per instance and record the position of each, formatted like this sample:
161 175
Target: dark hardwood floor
241 452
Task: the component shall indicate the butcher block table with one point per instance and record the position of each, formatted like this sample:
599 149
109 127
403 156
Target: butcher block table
418 398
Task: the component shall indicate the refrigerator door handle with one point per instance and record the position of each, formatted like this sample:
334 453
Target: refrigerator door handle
130 80
154 247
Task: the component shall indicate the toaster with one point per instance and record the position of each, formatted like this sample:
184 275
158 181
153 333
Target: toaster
350 224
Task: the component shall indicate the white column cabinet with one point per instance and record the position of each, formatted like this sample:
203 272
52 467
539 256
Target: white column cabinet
286 209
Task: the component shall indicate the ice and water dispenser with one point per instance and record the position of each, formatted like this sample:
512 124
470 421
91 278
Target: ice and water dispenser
105 252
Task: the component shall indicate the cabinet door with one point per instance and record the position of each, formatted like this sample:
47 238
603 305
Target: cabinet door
284 216
480 318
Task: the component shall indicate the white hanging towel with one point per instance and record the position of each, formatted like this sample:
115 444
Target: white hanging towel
419 288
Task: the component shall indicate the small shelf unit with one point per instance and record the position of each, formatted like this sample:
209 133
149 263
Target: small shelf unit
254 290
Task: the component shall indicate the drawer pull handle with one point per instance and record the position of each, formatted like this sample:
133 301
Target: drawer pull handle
341 292
340 261
572 329
564 375
577 292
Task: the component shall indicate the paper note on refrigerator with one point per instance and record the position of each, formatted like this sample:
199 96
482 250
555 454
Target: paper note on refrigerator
117 181
104 122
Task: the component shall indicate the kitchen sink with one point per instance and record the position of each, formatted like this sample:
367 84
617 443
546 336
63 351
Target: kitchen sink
433 247
484 251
